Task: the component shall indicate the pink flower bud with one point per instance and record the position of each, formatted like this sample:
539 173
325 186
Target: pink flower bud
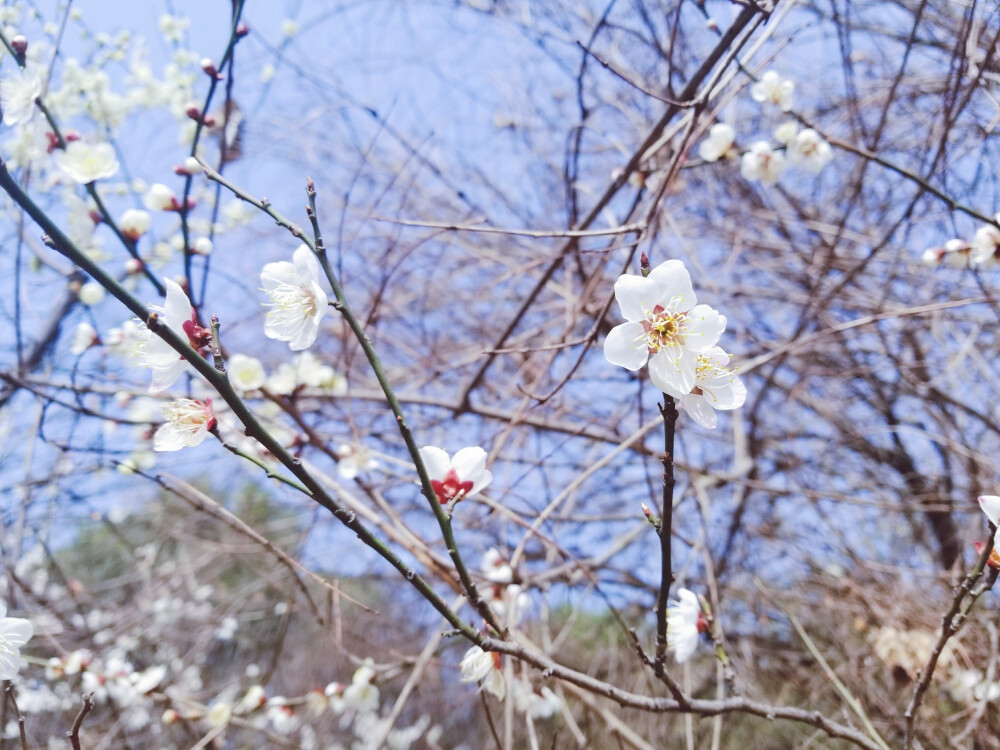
193 112
242 30
19 44
209 67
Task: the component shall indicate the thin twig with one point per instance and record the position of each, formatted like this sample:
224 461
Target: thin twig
9 690
74 733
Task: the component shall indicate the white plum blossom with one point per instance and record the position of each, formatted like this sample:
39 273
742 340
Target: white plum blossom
985 244
84 337
354 460
456 478
202 246
685 624
809 151
718 144
155 353
361 695
245 373
18 92
495 568
306 369
665 327
174 28
134 223
484 667
716 387
762 163
159 197
14 633
785 133
187 425
86 162
91 294
297 301
543 704
773 89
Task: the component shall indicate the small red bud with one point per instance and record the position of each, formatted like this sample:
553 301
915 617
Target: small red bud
70 137
644 264
209 67
209 121
19 44
242 30
181 170
95 217
193 112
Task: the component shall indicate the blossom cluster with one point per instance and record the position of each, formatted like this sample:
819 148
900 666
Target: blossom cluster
982 251
764 162
667 329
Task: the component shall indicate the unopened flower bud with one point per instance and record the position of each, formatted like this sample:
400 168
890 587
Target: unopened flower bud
711 25
159 197
192 166
170 716
209 67
134 223
133 266
994 559
193 112
644 268
242 30
20 45
209 121
202 246
91 293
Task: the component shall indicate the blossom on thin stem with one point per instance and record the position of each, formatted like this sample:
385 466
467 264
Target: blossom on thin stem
153 352
773 89
685 624
18 93
484 667
297 301
14 633
456 478
762 163
716 387
718 144
188 423
86 162
665 327
809 151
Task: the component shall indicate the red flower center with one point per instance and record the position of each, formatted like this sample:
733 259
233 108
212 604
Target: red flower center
450 488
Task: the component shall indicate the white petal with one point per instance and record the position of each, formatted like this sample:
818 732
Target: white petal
164 377
305 262
626 347
700 410
177 307
16 630
305 335
169 438
436 461
674 282
469 463
480 483
636 296
703 328
673 376
277 273
991 507
728 393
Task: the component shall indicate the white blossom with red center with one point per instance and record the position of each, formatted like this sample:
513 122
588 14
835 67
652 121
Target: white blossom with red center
484 666
665 327
456 478
297 301
716 386
685 624
178 315
188 423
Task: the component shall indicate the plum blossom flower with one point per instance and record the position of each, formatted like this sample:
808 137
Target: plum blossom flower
773 89
187 425
159 197
762 163
809 151
991 507
483 667
354 460
245 373
91 294
665 326
716 387
86 162
685 623
297 301
153 352
134 223
18 93
785 133
495 568
985 245
361 695
456 478
718 144
14 633
84 337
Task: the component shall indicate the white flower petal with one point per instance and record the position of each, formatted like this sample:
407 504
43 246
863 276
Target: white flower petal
675 284
697 406
636 295
436 461
991 507
625 346
703 329
469 463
